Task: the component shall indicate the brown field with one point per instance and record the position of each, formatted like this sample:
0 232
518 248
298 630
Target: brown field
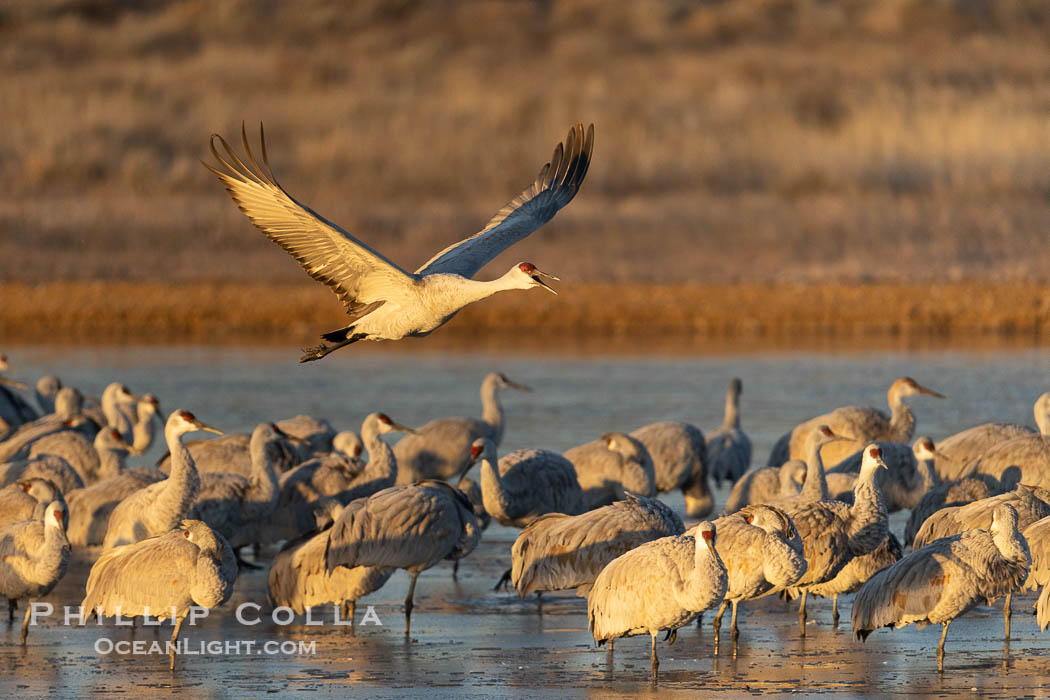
621 318
742 141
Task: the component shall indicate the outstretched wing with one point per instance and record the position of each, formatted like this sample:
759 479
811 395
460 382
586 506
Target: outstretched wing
555 186
359 275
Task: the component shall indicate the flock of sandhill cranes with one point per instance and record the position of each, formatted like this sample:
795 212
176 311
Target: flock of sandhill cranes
347 515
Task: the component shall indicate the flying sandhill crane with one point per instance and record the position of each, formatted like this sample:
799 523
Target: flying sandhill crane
679 454
761 550
54 469
404 527
557 552
833 533
767 485
903 483
163 576
609 467
660 585
944 579
237 506
440 449
956 453
28 499
526 484
161 506
384 301
728 447
300 580
863 423
34 556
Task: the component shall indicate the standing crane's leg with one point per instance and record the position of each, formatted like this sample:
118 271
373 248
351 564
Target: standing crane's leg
835 610
349 608
174 639
455 570
940 647
652 654
718 622
735 629
12 605
25 621
802 615
408 603
1006 615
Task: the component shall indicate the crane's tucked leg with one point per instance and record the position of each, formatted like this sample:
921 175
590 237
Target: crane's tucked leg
1006 615
735 629
25 621
652 654
408 603
174 640
940 647
718 620
802 615
337 338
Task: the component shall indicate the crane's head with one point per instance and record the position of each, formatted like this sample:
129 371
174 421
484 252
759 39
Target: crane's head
736 386
42 490
906 386
110 439
181 422
149 406
1004 519
120 393
872 459
528 275
55 515
503 382
1042 413
481 449
822 435
48 385
384 424
3 363
924 449
348 442
705 534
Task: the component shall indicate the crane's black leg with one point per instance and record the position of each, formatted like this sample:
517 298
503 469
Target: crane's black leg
319 351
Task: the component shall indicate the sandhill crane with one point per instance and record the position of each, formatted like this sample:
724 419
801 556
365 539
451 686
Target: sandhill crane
236 506
856 572
863 423
14 410
679 454
404 527
761 550
956 453
163 576
661 585
230 454
609 467
767 485
1030 504
382 468
526 484
300 580
147 415
557 552
91 507
34 556
308 436
161 506
440 449
47 388
944 579
833 533
384 301
28 499
903 483
120 407
54 469
728 447
100 458
68 415
1030 453
956 493
815 485
1037 535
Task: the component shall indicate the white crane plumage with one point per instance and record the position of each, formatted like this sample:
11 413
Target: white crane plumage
34 556
728 447
440 449
384 301
557 552
611 466
660 585
161 506
864 424
944 579
163 576
404 527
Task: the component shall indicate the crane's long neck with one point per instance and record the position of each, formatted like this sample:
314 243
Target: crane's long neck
868 520
264 490
1012 544
927 474
493 493
1042 419
143 432
781 564
706 584
815 487
492 409
382 464
209 587
111 462
732 414
788 485
53 557
902 418
180 488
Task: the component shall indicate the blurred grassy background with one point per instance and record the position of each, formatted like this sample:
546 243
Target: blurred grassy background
793 141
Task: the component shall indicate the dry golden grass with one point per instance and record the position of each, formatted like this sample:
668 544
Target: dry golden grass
745 140
620 317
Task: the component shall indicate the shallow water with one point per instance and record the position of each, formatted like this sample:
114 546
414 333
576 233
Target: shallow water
467 639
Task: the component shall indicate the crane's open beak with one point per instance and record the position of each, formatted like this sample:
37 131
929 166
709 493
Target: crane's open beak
536 274
4 381
206 428
929 392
